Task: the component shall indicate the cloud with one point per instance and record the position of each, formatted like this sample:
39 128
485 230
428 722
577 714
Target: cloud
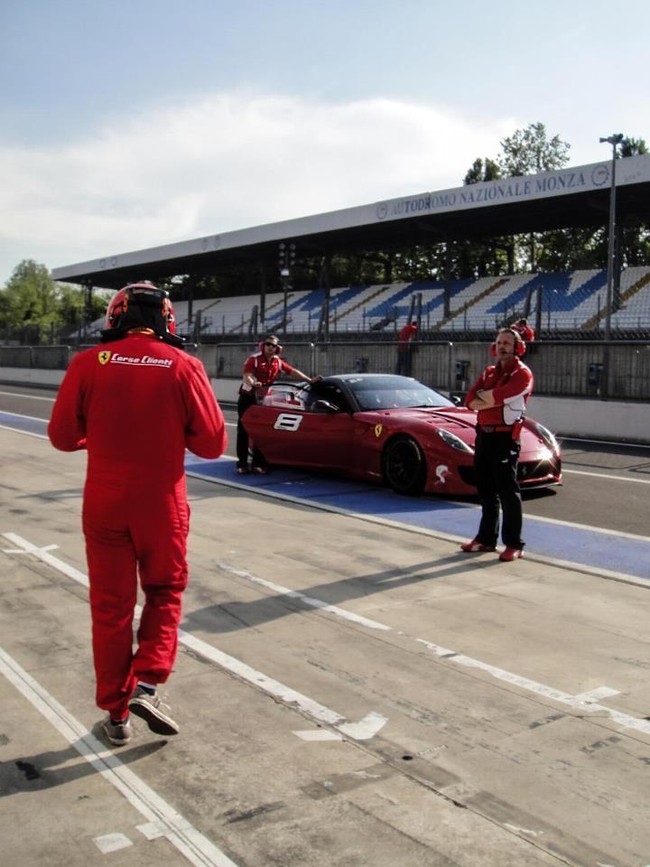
224 162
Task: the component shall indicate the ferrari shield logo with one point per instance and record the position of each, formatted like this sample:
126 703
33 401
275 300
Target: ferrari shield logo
378 429
104 356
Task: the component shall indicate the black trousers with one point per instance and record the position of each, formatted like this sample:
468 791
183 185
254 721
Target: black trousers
404 360
246 400
495 467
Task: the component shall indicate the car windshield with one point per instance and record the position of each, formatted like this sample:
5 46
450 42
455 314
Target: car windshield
394 392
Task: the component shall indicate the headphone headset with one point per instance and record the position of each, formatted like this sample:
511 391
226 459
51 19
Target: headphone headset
278 348
520 343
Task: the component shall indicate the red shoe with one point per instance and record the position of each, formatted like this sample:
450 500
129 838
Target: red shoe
511 554
475 547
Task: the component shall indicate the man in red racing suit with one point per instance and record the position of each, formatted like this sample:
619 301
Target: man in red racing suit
500 395
136 404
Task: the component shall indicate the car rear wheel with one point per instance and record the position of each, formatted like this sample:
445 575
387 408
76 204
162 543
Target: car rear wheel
404 465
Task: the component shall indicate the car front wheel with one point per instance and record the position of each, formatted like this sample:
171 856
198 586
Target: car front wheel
405 467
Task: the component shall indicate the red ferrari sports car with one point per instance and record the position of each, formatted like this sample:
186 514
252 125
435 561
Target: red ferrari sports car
386 429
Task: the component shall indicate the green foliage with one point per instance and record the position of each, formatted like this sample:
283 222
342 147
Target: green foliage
530 151
32 300
29 297
482 171
631 147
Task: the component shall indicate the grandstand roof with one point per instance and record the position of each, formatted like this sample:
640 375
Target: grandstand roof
571 197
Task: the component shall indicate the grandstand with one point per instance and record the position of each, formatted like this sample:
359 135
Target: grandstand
559 304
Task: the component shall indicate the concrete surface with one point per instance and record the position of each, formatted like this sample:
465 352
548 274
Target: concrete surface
348 693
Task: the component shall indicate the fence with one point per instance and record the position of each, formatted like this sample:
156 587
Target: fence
608 371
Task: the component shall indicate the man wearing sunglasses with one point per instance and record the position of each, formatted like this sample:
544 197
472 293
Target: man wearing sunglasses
260 370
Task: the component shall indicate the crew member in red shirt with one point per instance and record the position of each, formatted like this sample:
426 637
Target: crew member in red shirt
135 404
405 348
525 329
500 395
260 371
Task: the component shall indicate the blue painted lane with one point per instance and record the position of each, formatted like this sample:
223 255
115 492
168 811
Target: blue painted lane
595 549
23 423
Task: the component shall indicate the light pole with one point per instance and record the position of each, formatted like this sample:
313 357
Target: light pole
286 261
614 141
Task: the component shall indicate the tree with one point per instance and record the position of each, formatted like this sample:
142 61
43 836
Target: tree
530 151
31 301
482 171
476 258
29 297
631 147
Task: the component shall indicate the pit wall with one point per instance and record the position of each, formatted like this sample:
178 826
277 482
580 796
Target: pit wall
584 418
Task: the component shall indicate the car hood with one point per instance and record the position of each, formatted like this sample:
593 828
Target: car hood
456 419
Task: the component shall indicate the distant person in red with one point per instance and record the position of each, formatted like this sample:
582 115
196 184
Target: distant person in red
135 404
524 329
260 370
405 348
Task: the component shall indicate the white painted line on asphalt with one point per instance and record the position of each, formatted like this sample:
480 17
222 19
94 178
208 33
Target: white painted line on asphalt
25 396
528 831
605 476
623 720
599 692
42 554
286 694
151 830
307 600
322 714
24 432
585 701
318 735
112 842
289 696
28 417
359 731
366 728
196 848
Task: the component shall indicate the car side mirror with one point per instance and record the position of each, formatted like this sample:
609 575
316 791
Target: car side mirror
323 406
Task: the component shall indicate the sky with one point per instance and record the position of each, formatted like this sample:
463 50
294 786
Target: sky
137 123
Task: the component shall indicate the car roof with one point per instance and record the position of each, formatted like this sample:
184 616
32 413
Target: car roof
357 377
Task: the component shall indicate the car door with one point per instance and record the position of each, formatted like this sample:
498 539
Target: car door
316 432
327 429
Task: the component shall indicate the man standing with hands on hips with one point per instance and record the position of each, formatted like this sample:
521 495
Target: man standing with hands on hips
500 395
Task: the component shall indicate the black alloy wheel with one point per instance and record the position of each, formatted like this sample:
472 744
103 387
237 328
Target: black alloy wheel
404 466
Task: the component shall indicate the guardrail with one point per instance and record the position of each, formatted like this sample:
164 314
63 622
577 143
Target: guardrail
585 369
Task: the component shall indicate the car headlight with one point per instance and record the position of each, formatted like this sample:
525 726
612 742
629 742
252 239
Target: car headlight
548 437
453 441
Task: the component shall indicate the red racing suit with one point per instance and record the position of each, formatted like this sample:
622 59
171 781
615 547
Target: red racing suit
135 404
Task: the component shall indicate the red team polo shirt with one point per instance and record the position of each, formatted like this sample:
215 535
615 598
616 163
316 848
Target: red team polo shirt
512 386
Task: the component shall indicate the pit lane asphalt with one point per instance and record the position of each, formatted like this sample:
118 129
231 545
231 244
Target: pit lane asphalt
505 702
615 555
